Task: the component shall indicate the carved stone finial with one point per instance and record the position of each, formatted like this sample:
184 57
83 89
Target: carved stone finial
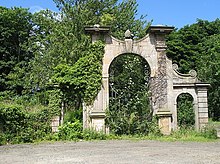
96 25
128 34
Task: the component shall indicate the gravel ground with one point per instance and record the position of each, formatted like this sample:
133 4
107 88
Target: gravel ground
112 152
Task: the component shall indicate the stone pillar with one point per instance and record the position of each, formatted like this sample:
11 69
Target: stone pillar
195 107
86 119
97 120
94 115
55 123
174 116
97 112
165 119
160 85
202 104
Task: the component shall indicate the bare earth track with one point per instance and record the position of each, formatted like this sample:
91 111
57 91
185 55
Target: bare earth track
112 152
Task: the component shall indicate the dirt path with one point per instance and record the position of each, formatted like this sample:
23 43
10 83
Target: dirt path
112 152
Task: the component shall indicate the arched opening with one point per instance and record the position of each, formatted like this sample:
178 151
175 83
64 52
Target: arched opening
129 106
185 111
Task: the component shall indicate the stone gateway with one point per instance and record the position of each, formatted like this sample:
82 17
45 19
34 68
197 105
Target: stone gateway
166 83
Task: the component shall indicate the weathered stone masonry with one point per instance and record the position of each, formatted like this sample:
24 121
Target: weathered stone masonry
166 83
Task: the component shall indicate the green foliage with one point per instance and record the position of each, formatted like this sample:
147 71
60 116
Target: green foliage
83 79
15 28
129 111
125 15
47 59
120 15
209 132
49 51
18 125
185 111
184 45
73 131
196 47
190 134
12 118
72 116
3 139
70 131
209 71
90 134
55 98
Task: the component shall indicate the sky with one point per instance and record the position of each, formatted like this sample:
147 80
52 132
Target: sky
177 13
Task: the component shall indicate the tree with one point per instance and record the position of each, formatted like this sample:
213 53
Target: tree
209 71
121 16
15 30
63 55
184 45
82 80
196 47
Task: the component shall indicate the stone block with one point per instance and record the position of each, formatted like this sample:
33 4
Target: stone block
164 122
164 125
98 124
55 123
203 115
203 110
203 105
203 120
218 132
202 94
202 100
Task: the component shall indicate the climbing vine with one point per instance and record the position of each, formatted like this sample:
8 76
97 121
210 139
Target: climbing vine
81 81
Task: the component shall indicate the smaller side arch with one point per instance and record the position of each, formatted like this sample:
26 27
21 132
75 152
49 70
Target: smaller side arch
185 110
191 92
177 93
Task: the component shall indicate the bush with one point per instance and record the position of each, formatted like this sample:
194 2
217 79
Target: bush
3 139
74 131
90 134
70 131
190 134
185 133
209 132
72 116
12 118
20 126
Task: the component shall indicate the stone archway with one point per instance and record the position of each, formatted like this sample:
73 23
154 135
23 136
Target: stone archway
190 91
185 110
164 83
129 108
189 83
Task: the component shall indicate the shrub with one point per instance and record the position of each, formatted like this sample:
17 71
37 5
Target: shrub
209 132
72 116
90 134
70 131
3 139
190 134
12 118
20 126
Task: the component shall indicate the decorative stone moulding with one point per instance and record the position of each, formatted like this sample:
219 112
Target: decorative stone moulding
192 73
